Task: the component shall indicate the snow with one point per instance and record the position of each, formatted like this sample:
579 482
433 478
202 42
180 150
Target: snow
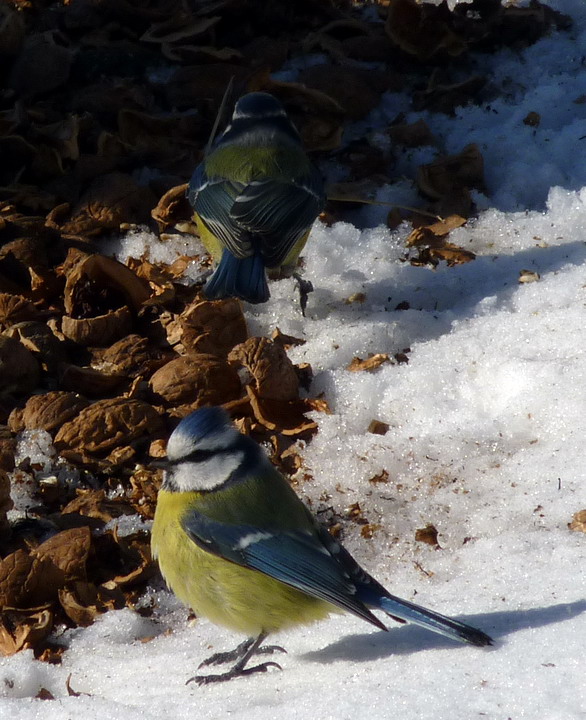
487 427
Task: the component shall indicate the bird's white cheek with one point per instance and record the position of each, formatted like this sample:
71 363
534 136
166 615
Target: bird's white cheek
207 475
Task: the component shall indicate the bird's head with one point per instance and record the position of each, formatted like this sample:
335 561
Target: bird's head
205 451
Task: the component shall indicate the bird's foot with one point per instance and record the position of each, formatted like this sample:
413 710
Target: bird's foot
242 655
233 655
304 287
234 672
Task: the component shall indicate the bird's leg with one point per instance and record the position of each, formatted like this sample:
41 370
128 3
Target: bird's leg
242 654
305 287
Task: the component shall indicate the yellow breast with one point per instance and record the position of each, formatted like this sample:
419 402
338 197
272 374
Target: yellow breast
227 594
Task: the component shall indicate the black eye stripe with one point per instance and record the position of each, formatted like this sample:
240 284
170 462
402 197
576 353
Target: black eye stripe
198 456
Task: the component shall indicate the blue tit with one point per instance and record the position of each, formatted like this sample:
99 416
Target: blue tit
237 545
255 197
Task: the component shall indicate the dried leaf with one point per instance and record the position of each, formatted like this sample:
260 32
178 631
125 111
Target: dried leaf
95 504
528 276
285 416
377 427
422 30
448 174
286 341
20 629
434 235
172 208
382 477
428 535
372 362
578 521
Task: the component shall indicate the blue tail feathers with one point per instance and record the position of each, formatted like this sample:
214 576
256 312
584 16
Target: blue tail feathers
243 278
409 612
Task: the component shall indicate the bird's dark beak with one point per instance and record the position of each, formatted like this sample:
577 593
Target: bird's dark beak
160 464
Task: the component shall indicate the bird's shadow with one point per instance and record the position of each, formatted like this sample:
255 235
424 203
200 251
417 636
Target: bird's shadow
410 639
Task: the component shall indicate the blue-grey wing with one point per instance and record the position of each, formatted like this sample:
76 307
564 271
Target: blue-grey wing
296 558
279 213
213 199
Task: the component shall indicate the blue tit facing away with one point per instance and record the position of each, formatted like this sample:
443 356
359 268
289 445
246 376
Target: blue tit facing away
236 544
255 197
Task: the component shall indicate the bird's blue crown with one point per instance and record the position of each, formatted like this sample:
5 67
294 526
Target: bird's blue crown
204 421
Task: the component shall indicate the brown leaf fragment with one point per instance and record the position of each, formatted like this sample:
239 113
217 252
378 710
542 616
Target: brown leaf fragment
452 173
422 30
44 694
368 530
286 341
271 370
285 416
50 653
172 208
377 427
192 381
382 477
428 535
70 691
22 629
145 485
213 326
358 297
372 362
578 521
107 424
434 235
533 119
451 254
95 504
528 276
83 602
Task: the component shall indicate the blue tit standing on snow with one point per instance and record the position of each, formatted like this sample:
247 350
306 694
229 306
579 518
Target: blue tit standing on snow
236 544
255 197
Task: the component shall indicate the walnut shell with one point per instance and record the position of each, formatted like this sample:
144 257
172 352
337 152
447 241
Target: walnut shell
195 380
273 372
48 411
108 424
98 331
213 326
19 371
